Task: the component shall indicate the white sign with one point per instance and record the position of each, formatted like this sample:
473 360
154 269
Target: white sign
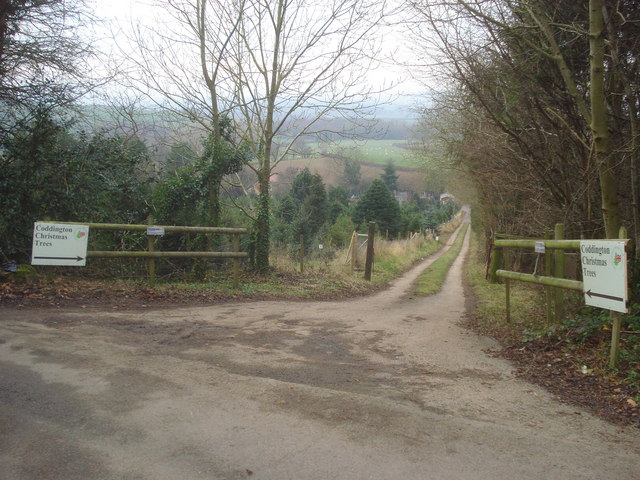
604 273
540 247
155 231
59 244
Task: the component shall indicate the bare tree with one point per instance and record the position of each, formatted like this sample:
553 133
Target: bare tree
542 73
599 119
296 63
275 68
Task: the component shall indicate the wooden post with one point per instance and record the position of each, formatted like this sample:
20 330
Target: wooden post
236 261
548 272
151 263
496 263
616 323
354 250
369 260
507 289
558 272
302 253
349 257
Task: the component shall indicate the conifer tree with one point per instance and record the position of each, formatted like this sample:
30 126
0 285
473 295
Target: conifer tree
389 177
378 205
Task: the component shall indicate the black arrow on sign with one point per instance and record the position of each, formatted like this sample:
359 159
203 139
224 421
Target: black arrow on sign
602 295
77 259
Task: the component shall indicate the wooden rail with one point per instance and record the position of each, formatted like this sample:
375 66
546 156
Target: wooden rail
167 228
160 254
541 280
151 254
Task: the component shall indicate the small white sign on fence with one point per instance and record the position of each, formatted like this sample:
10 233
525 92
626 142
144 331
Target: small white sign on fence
604 273
155 231
540 247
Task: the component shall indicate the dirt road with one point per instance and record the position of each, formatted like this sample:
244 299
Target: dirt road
383 387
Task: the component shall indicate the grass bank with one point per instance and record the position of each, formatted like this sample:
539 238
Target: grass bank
329 277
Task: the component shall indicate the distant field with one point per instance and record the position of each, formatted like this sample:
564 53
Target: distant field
328 159
331 171
374 151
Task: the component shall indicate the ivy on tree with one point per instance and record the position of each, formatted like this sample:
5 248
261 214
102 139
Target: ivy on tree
220 158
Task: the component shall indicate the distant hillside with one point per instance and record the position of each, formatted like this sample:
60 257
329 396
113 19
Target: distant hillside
331 171
381 139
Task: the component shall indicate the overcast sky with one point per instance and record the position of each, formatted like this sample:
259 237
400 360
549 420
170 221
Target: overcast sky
121 12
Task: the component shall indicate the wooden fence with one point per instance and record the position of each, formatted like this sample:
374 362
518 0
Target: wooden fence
358 242
359 255
151 254
553 278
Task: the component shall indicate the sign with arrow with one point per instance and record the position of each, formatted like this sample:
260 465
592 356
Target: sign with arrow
604 273
59 244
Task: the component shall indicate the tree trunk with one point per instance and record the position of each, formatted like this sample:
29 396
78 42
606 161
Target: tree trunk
633 166
263 225
212 241
214 201
263 220
599 124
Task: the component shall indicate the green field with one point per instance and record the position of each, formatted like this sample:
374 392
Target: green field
374 151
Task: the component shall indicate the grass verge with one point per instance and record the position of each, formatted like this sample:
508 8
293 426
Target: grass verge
432 279
527 303
392 257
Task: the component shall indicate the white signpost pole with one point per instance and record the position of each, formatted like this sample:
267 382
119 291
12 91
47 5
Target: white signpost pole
59 244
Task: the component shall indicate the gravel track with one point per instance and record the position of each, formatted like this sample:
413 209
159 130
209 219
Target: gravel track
388 386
